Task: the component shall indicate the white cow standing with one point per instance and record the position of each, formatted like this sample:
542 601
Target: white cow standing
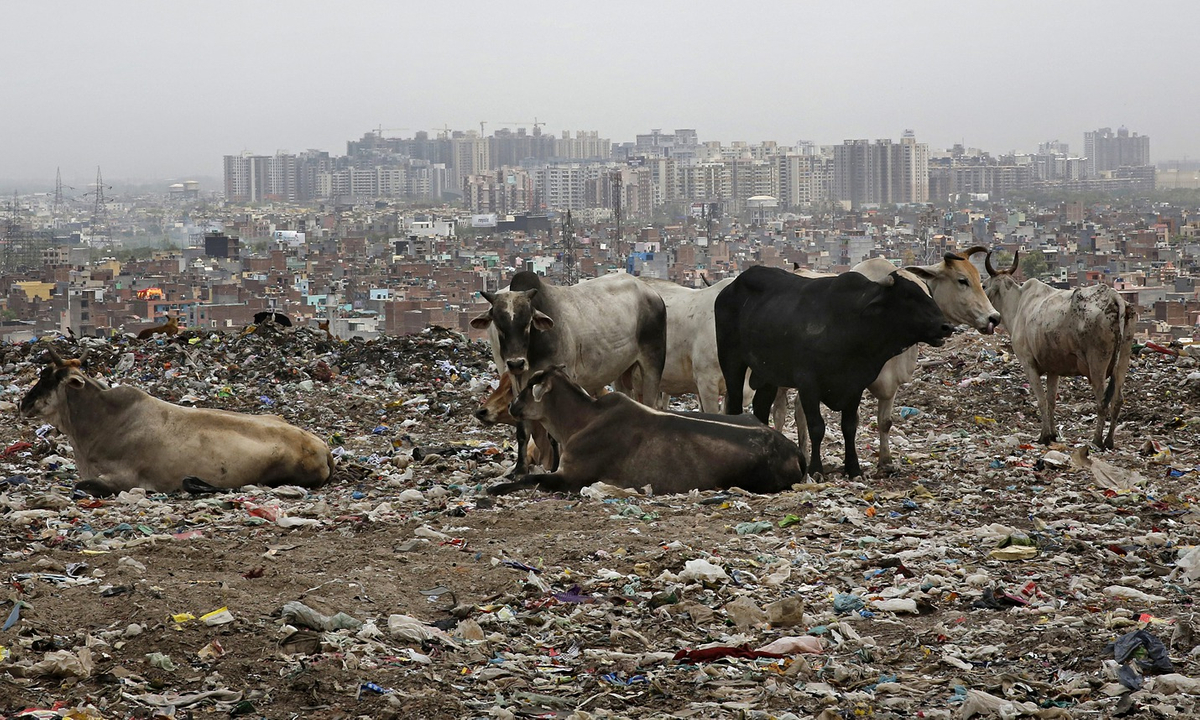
599 330
1086 331
691 365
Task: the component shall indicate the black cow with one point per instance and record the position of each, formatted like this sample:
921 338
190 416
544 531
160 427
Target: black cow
271 316
826 337
600 329
618 441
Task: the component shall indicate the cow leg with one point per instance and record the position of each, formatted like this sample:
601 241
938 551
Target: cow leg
547 482
801 426
1097 380
849 432
816 429
627 384
764 398
96 488
1051 405
1118 398
779 409
885 393
523 430
709 391
734 373
651 394
1035 384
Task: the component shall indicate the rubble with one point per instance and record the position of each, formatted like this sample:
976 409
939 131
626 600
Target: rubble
988 576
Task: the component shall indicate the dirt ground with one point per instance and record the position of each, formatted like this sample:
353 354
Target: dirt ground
551 606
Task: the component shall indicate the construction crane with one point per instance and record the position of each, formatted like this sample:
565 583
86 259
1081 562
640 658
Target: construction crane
381 129
481 124
536 124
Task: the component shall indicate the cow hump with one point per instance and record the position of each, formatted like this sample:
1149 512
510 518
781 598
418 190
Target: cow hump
525 280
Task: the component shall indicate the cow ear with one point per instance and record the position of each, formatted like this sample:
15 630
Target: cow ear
542 321
531 292
482 321
75 382
921 272
539 390
490 297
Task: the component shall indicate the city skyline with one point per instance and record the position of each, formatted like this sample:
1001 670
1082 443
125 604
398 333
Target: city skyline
154 92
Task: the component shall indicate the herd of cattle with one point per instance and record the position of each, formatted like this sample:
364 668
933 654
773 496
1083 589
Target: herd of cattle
751 337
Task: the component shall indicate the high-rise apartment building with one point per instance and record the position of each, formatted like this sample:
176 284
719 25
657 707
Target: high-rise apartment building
881 173
471 156
803 180
255 178
1106 150
586 145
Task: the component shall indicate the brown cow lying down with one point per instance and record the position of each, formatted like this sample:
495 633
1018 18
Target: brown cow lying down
170 328
493 410
124 438
618 441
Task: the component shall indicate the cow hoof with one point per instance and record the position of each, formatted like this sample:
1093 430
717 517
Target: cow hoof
504 488
1047 439
93 488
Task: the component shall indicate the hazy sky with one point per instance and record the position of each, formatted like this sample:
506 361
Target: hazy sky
155 90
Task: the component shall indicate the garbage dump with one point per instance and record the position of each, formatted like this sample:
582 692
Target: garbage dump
987 576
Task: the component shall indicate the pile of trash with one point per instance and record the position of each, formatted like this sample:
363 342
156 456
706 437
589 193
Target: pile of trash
988 576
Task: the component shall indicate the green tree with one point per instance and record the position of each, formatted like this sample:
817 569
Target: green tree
1034 264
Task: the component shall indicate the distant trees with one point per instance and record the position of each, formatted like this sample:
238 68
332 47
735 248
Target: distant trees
1034 265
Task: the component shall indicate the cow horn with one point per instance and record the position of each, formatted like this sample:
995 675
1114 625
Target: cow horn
1016 259
971 251
83 356
490 297
54 357
987 264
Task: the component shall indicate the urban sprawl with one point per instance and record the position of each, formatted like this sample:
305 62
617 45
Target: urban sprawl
402 233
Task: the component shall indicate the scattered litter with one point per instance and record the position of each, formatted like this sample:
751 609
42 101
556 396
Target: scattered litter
981 576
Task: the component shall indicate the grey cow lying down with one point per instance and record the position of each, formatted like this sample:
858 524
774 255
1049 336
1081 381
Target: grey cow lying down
124 438
621 442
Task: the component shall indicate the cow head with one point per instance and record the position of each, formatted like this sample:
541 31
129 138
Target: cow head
513 318
530 403
908 309
493 409
59 379
1001 286
956 288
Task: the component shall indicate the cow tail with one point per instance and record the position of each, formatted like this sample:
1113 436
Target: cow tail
1118 348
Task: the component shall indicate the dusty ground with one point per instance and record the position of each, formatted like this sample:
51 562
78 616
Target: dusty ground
438 553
